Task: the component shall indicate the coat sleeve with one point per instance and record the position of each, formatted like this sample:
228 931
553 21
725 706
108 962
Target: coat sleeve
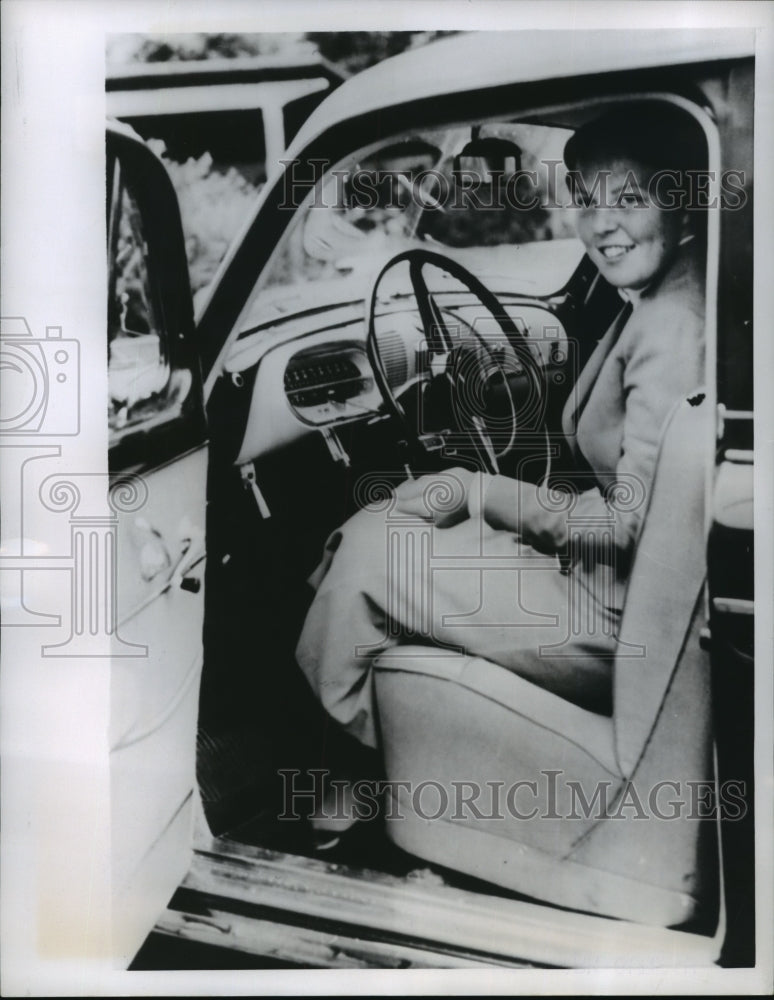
665 364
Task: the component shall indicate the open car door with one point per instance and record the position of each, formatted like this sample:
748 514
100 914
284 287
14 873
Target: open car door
158 463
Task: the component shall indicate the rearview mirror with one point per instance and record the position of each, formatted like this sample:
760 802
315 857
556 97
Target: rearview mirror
485 158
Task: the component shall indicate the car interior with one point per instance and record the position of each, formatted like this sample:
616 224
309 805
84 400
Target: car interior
324 400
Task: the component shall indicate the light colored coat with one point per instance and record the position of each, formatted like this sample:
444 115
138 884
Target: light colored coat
623 395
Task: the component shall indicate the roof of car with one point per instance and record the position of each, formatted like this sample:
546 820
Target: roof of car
197 72
488 59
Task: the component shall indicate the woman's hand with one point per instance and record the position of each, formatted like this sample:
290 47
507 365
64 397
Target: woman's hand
441 497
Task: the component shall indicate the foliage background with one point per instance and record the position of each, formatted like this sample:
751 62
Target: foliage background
350 51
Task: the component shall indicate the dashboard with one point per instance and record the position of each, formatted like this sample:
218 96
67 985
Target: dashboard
313 373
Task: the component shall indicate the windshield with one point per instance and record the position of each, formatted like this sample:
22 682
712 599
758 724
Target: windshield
474 192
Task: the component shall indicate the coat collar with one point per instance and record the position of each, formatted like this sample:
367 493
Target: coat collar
684 264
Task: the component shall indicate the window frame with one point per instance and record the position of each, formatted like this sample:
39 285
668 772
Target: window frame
161 437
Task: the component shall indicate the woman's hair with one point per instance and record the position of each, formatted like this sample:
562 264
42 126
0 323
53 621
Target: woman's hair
655 134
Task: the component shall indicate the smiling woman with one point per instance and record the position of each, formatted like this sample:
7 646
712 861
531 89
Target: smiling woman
649 359
469 588
631 225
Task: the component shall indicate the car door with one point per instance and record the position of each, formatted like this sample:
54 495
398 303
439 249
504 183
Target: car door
158 464
730 634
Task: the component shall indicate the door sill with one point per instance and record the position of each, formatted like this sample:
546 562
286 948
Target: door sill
316 914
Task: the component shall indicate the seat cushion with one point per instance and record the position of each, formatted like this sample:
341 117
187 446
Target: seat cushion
455 726
493 776
592 733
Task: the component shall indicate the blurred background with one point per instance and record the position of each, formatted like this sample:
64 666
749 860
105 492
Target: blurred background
220 109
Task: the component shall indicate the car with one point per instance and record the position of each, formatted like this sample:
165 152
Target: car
296 397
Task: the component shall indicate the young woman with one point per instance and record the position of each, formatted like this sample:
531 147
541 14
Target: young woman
536 578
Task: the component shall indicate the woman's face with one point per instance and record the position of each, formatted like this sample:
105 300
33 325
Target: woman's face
629 238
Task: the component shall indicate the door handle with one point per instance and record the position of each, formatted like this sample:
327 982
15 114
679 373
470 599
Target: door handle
154 555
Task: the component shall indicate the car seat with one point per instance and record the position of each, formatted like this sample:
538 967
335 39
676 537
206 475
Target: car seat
452 723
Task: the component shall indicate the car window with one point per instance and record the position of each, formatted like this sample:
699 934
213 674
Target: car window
217 163
421 189
144 386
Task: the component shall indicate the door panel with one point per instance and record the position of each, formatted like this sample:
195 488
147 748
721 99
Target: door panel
158 466
154 697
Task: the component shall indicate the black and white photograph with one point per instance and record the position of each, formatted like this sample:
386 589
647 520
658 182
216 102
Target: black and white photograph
385 450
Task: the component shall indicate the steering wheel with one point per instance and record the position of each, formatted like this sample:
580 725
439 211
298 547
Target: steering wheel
466 393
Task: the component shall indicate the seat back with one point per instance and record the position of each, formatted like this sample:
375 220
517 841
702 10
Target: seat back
666 580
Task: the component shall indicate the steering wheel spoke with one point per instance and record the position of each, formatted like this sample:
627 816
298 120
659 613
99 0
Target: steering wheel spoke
439 340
